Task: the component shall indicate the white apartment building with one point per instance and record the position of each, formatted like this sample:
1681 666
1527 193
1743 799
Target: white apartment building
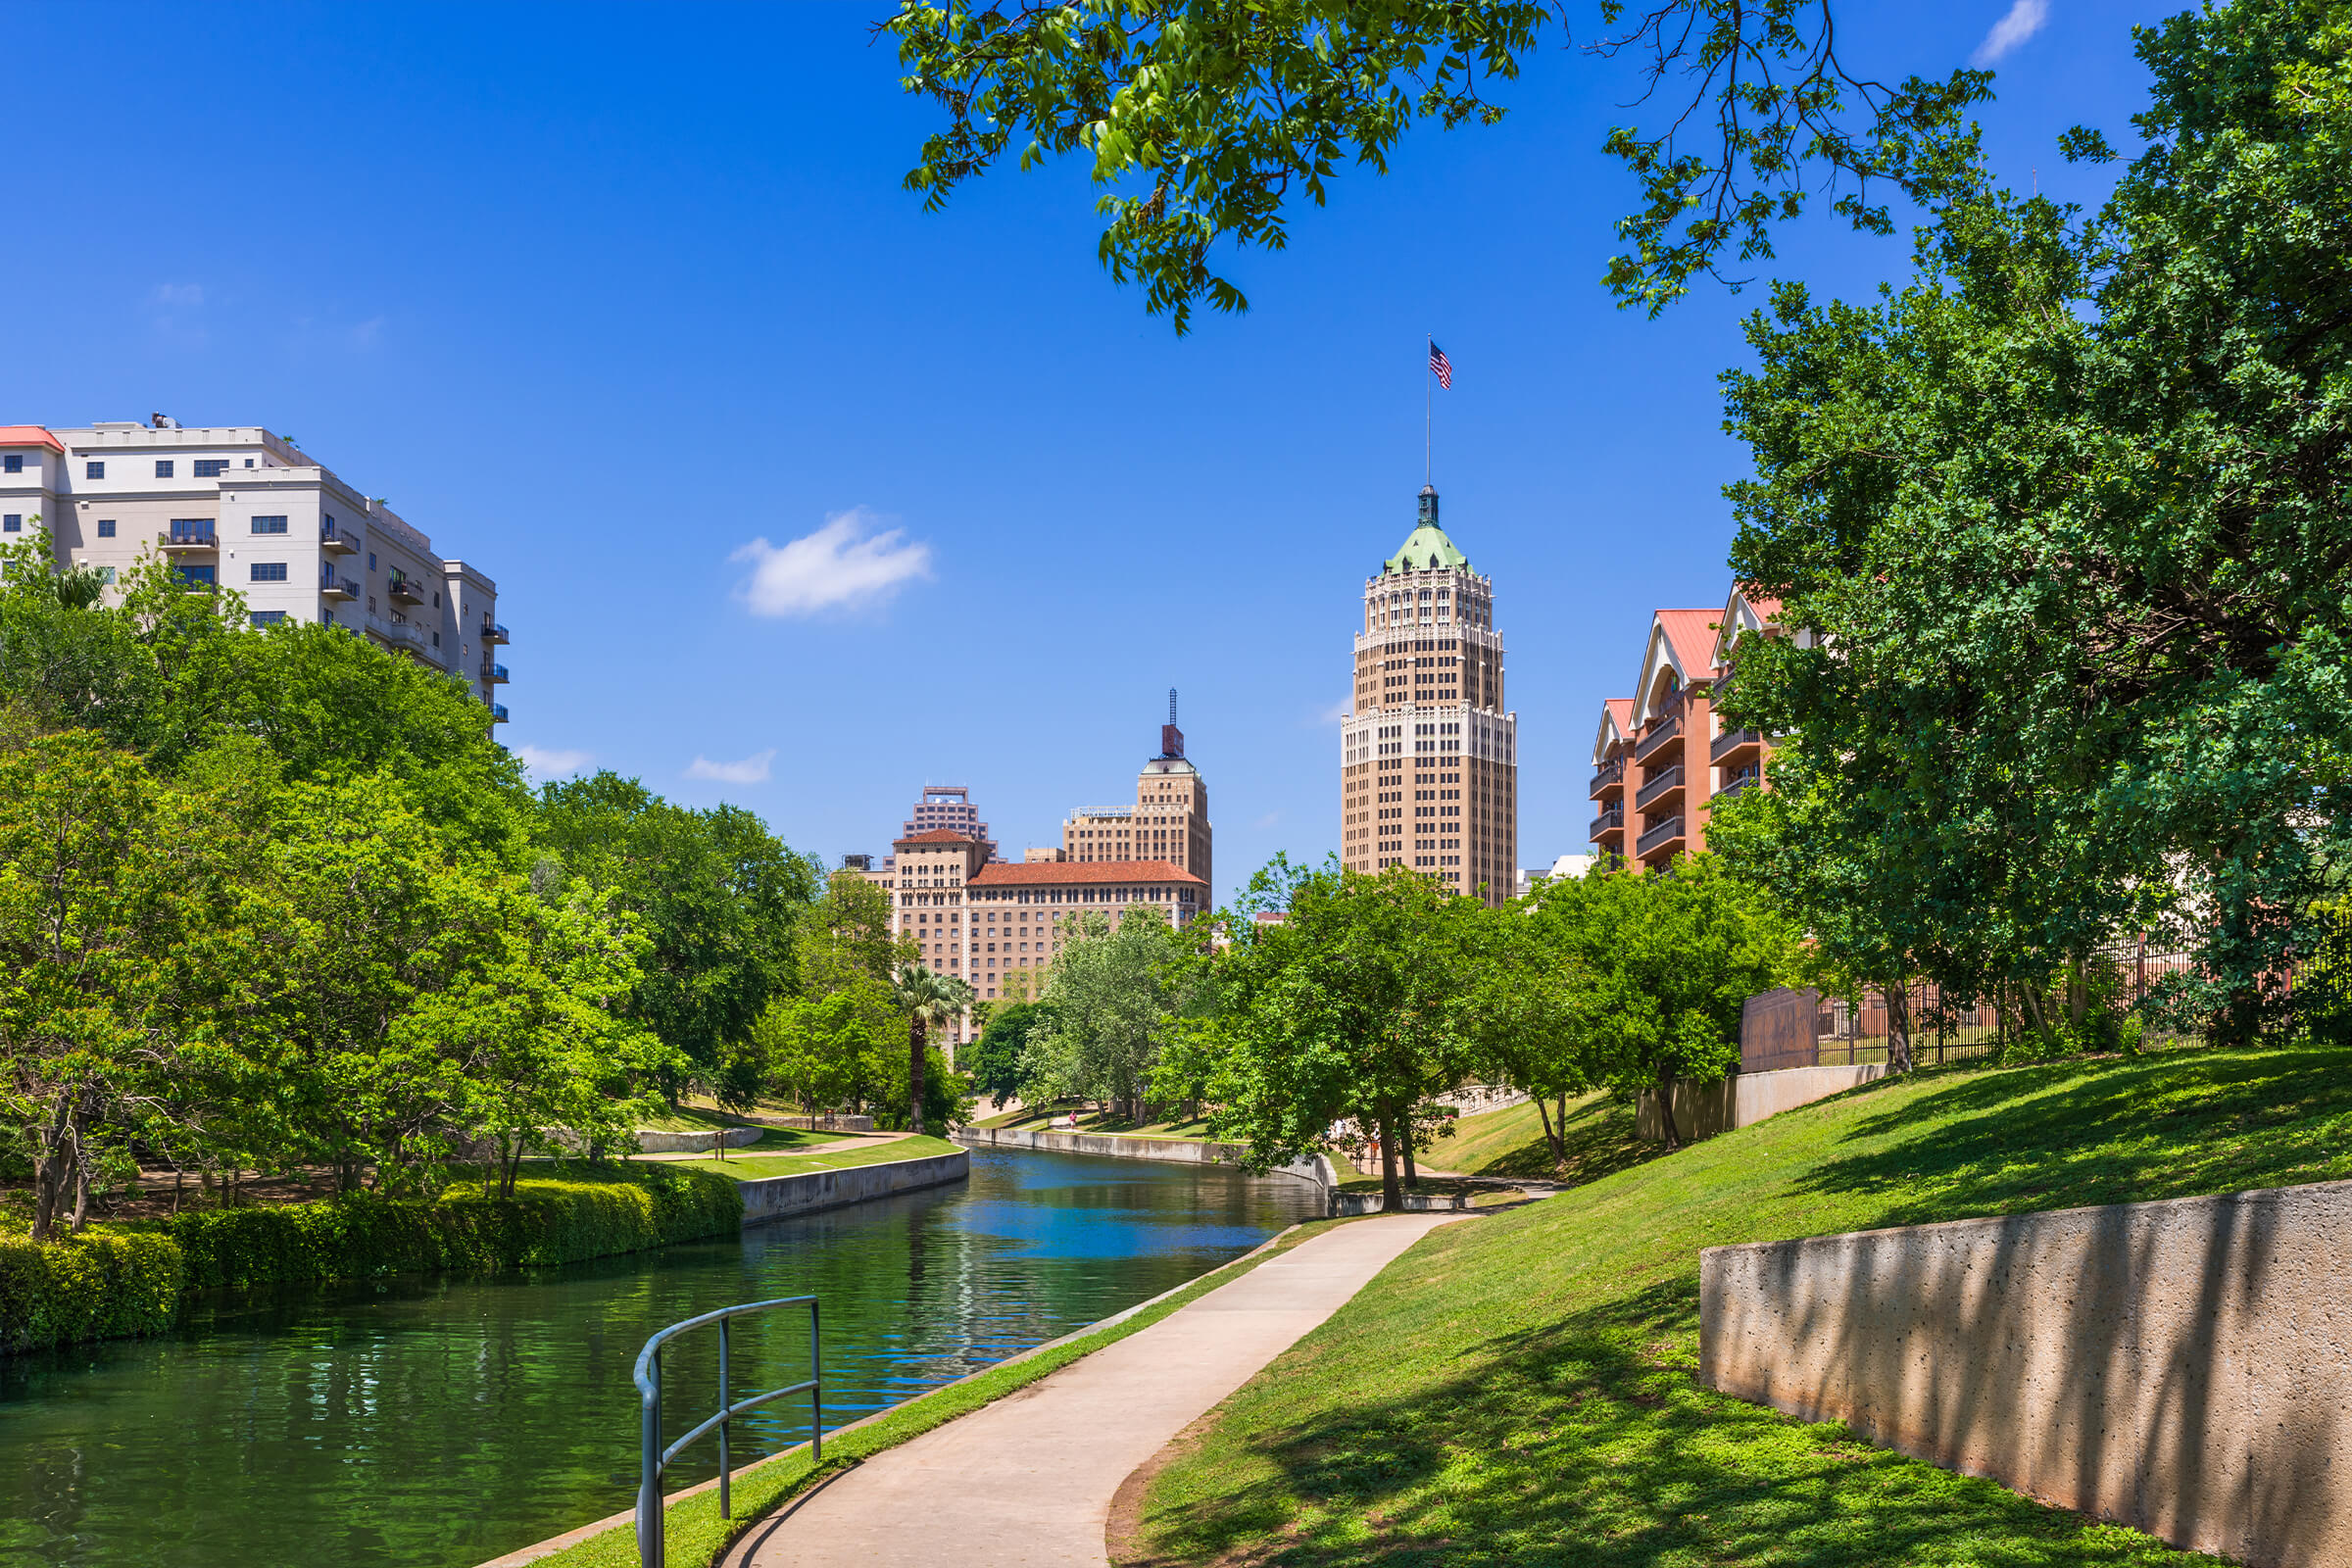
243 508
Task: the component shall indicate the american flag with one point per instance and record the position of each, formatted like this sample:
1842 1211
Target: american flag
1439 366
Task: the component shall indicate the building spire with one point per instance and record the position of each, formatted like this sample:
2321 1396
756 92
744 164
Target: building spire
1429 506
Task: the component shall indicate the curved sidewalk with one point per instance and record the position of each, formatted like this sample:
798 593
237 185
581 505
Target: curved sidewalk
1029 1480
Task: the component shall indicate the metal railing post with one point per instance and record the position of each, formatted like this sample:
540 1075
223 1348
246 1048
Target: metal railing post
816 1389
649 1480
723 1423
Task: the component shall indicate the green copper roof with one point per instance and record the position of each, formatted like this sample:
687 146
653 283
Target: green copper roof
1426 547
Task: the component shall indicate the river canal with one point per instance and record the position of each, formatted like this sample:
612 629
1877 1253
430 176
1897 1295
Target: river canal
437 1424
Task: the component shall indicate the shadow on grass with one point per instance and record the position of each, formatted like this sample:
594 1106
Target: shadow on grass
2073 1133
1589 1441
1597 1138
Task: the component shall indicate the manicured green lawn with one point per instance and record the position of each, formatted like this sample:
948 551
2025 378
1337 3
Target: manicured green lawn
749 1165
1521 1388
1599 1137
1039 1119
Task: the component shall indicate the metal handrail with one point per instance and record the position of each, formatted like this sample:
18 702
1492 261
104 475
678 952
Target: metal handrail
653 1459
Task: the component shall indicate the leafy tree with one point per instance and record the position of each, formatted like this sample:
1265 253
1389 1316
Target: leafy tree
824 1051
999 1061
926 998
1352 1007
2065 520
1521 1014
1204 120
1114 994
846 937
1661 965
717 896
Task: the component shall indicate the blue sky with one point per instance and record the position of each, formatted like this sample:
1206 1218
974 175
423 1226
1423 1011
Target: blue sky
620 302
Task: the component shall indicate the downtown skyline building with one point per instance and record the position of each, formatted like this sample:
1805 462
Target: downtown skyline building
1429 752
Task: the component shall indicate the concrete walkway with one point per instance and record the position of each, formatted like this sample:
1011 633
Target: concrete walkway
1029 1480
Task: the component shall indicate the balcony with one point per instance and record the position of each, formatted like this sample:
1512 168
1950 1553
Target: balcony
492 632
494 674
335 587
1608 821
1665 833
191 536
1747 778
1608 777
406 591
333 539
1657 736
498 712
1659 786
1729 745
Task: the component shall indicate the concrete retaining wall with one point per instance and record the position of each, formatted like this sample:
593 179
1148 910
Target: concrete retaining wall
1702 1110
2182 1367
698 1141
1171 1150
782 1197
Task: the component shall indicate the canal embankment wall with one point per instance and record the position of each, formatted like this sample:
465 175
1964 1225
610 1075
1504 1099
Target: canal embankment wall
1703 1109
2177 1366
1316 1168
773 1197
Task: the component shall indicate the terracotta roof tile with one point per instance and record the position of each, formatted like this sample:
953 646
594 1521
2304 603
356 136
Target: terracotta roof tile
1691 634
30 435
937 835
1067 873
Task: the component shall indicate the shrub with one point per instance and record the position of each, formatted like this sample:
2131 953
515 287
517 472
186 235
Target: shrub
99 1285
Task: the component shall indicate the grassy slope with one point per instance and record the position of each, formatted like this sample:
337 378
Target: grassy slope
694 1534
1040 1118
1521 1389
752 1167
1598 1137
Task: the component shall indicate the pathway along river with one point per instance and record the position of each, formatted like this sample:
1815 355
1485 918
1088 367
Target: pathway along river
437 1424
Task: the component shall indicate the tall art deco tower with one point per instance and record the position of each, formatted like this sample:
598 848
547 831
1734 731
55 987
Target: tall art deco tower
1429 759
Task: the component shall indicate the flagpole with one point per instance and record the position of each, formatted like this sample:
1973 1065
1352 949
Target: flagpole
1427 397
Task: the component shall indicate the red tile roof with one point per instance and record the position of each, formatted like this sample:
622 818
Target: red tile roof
937 835
1620 708
30 435
1063 873
1692 635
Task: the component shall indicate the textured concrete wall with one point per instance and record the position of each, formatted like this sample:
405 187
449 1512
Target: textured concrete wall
1117 1145
2183 1367
780 1196
650 1141
1702 1110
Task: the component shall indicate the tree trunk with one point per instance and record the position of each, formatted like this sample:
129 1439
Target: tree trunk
1898 1029
1665 1093
914 1071
1413 1176
2078 996
1550 1137
1392 1197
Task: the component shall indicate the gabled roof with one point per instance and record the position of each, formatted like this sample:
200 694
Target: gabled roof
1616 725
937 835
30 435
1682 641
1742 615
1065 873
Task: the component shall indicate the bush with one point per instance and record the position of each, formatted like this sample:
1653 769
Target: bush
467 1229
99 1285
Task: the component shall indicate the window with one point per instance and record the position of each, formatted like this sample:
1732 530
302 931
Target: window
249 463
268 572
269 617
93 471
12 464
195 575
370 561
106 527
163 467
268 526
12 523
211 468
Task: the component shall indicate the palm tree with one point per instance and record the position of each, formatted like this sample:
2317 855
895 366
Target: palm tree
926 998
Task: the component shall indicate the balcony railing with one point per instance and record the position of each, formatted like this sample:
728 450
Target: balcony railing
492 632
498 712
191 536
1730 741
494 674
1665 832
335 587
1747 778
1658 735
1608 821
1607 777
407 590
331 537
1659 784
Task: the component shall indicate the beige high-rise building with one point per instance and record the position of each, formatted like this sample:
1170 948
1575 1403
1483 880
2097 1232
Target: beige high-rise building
1168 821
245 509
1429 756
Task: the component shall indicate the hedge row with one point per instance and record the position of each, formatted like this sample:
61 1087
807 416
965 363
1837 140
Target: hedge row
113 1283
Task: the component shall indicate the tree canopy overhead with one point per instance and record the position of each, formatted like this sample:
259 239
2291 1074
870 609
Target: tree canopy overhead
1207 121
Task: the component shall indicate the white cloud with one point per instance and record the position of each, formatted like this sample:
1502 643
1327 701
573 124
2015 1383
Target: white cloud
2025 19
363 335
844 563
544 762
1267 820
753 770
180 294
1334 713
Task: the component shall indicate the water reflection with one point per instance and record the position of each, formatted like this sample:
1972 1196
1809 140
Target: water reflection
438 1424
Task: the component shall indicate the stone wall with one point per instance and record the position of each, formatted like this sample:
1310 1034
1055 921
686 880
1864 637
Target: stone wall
781 1196
1117 1146
2182 1367
1702 1110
